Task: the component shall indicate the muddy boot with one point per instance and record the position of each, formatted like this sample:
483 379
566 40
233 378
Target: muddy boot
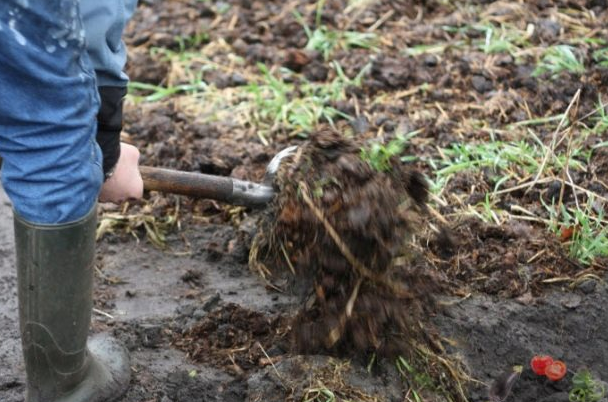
55 278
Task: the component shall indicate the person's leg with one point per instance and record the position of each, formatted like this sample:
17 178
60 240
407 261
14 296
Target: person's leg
52 173
104 23
52 165
55 285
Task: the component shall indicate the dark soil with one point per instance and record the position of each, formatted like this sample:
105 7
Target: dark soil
340 225
248 338
202 326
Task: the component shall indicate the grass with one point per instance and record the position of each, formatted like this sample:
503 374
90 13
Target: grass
557 59
435 48
320 394
600 126
379 155
418 381
194 41
500 164
329 383
585 388
600 56
285 104
585 232
155 93
298 107
326 40
275 100
433 377
502 39
504 161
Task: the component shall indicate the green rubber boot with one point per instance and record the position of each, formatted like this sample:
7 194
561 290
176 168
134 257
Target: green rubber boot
55 282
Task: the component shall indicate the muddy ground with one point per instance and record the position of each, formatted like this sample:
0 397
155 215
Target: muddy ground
201 326
152 299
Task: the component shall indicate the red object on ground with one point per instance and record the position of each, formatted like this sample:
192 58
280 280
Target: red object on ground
556 370
567 233
540 363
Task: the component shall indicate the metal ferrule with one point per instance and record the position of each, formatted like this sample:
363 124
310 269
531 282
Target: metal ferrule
250 194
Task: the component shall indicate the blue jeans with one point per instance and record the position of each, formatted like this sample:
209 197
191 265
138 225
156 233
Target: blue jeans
49 102
104 22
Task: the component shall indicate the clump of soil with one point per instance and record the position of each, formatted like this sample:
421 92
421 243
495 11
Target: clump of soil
233 336
343 228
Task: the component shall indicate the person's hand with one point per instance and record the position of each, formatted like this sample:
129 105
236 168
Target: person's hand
126 182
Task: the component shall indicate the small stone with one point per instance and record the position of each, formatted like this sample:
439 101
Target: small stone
504 60
571 301
561 387
523 77
430 60
275 350
553 190
315 71
598 206
548 30
587 286
526 299
186 310
222 7
481 84
239 46
478 395
599 6
212 302
381 119
151 335
360 125
296 59
345 107
238 80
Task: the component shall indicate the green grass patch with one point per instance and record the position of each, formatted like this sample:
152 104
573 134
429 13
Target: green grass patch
585 388
505 163
500 39
379 155
141 91
298 106
507 160
600 56
599 125
418 381
326 40
275 100
589 230
557 59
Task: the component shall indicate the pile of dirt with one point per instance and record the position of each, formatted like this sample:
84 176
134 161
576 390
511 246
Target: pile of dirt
343 228
339 224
